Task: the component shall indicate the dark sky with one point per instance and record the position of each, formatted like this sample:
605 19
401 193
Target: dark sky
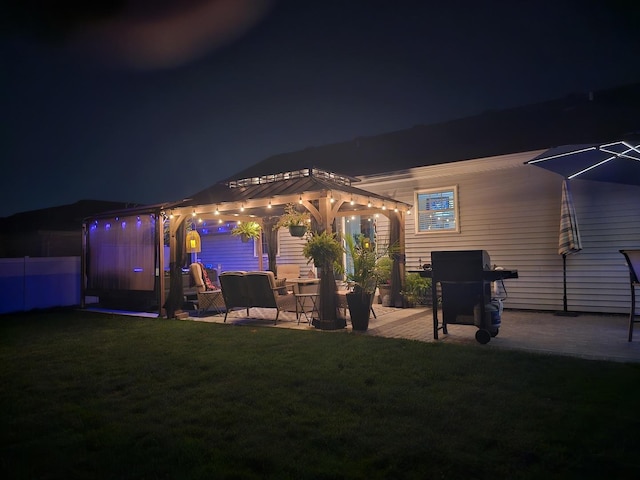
153 100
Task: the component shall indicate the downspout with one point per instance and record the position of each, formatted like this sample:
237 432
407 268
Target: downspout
83 266
159 284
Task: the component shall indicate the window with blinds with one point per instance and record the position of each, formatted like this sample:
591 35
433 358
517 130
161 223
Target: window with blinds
437 210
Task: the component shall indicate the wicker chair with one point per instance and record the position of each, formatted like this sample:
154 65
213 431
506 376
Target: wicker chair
207 299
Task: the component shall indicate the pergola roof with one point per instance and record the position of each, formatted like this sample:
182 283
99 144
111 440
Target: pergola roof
267 194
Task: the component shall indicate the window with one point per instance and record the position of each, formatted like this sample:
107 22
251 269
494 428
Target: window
437 210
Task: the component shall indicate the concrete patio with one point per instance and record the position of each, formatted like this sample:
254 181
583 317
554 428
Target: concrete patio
590 336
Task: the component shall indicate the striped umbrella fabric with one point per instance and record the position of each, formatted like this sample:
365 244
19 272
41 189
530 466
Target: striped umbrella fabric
569 241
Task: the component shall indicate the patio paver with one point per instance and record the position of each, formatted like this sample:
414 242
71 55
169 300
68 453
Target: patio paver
590 336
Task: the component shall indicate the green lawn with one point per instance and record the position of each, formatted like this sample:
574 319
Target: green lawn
98 396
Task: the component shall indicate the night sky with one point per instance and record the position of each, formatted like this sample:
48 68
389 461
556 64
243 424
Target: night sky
153 100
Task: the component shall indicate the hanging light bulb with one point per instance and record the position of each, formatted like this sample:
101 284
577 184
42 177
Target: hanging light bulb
369 203
300 200
217 212
269 206
352 202
242 207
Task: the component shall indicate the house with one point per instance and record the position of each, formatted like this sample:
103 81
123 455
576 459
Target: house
50 232
472 172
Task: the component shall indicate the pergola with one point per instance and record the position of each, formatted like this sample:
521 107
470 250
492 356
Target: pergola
326 195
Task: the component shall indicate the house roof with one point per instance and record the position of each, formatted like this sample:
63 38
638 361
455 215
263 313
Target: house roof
599 116
59 218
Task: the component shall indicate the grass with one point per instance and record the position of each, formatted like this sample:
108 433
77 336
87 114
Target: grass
98 396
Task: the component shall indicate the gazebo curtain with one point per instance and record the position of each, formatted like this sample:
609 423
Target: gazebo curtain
121 254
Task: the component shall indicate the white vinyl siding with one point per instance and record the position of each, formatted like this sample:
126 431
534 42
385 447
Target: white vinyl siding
512 211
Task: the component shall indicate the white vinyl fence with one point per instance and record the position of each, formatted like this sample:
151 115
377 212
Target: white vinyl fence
29 283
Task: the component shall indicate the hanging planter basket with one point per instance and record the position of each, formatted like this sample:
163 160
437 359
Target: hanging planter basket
297 230
244 238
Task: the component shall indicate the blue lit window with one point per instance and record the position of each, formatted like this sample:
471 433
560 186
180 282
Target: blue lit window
437 210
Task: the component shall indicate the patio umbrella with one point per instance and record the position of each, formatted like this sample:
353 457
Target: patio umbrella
569 239
615 162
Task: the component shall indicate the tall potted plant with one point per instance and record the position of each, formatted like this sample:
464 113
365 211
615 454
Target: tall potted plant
364 276
325 250
296 221
247 230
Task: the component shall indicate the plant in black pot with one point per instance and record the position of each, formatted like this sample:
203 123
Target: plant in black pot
325 251
247 230
296 221
364 277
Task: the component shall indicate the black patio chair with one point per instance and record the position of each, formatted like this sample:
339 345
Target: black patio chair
633 262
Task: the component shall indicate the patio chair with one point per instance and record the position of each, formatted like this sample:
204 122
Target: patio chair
633 262
287 270
254 289
265 292
234 291
209 296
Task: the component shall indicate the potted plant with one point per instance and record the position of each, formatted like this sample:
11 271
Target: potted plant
325 251
247 230
364 277
417 290
297 222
